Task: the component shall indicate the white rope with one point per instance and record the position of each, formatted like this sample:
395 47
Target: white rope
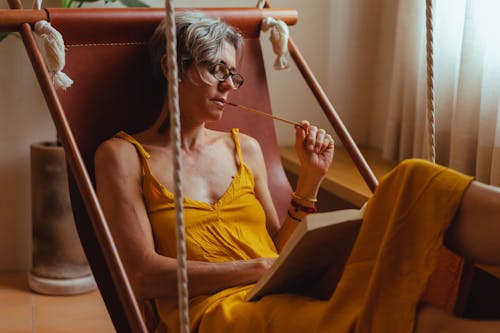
431 122
279 39
175 130
37 4
55 57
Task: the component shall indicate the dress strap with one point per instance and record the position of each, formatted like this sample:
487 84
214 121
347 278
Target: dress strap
140 149
235 132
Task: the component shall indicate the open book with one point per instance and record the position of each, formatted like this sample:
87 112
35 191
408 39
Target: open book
320 244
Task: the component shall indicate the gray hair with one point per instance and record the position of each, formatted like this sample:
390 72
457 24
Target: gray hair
200 39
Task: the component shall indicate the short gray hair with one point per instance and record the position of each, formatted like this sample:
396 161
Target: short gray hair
200 39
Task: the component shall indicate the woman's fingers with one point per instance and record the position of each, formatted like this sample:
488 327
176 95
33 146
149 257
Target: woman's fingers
325 143
328 143
320 140
301 131
311 138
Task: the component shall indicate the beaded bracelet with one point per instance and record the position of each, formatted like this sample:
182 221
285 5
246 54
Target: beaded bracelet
298 207
293 217
303 198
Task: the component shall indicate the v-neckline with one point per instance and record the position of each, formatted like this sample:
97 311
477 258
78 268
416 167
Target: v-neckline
170 195
215 205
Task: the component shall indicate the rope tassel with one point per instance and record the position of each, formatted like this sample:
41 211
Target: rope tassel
279 39
55 57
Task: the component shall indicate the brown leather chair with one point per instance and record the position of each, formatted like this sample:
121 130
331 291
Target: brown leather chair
114 90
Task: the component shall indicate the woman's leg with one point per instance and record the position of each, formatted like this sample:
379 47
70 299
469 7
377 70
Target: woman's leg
474 233
431 319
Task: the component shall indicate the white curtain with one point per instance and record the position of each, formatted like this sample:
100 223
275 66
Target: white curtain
467 86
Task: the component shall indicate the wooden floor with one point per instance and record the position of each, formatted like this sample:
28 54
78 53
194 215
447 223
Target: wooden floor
23 311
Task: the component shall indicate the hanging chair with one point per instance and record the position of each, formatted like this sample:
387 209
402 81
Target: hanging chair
114 90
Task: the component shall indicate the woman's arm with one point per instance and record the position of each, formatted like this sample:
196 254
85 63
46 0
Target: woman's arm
119 188
315 151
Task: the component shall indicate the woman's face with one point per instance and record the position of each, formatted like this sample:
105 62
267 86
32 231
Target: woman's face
201 95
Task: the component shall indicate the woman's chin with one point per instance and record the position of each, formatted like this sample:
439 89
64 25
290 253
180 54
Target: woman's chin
217 114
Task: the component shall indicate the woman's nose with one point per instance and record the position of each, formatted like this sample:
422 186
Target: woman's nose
228 83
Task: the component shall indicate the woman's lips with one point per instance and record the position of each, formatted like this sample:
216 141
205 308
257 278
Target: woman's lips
220 102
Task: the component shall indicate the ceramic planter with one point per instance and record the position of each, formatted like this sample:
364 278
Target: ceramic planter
59 263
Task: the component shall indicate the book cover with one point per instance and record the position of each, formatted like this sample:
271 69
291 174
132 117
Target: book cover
320 244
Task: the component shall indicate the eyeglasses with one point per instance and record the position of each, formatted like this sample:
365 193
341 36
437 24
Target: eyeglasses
221 72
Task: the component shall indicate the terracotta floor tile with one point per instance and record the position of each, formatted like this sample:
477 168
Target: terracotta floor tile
16 315
80 313
16 327
22 311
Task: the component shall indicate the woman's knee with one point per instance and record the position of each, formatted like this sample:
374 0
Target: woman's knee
411 171
415 165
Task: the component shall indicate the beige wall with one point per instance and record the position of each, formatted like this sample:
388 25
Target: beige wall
352 51
337 40
24 119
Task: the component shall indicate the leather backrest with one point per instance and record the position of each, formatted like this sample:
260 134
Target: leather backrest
113 90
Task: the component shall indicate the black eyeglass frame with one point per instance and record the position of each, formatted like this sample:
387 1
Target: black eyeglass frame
221 72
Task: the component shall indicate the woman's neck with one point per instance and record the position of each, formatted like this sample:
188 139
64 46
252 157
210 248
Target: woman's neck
193 135
192 138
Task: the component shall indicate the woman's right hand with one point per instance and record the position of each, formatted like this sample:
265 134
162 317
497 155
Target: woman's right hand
255 268
314 148
266 263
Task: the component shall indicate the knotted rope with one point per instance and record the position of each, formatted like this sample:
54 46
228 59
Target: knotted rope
175 136
431 122
278 37
260 4
55 56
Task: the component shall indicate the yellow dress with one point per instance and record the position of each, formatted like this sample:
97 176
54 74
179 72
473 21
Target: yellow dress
384 278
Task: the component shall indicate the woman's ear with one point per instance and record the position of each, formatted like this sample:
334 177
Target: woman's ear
164 68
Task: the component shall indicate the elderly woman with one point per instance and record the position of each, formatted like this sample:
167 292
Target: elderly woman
233 233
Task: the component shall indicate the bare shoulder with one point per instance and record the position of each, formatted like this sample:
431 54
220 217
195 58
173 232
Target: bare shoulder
253 156
116 154
250 147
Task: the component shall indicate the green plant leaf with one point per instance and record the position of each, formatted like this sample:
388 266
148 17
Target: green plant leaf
66 3
3 35
134 3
